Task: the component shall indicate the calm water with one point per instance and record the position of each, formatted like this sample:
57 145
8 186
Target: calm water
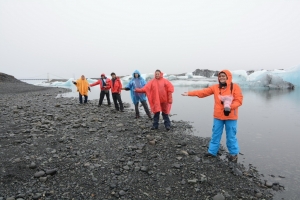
268 130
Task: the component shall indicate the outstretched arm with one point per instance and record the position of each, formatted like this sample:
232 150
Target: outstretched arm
96 83
199 93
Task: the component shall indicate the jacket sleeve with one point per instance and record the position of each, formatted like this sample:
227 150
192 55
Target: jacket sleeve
129 85
140 90
120 86
96 83
237 97
201 93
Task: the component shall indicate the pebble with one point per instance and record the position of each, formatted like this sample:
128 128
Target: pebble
51 172
219 197
269 184
39 174
194 181
32 165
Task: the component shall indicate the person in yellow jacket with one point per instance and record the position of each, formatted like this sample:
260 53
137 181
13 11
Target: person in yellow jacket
82 87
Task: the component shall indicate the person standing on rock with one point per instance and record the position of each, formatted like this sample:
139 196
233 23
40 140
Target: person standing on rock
82 87
138 81
228 97
105 84
159 92
116 87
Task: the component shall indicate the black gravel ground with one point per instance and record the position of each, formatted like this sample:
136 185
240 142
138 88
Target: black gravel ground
54 148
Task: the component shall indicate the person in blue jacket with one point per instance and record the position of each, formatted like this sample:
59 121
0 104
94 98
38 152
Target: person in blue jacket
138 81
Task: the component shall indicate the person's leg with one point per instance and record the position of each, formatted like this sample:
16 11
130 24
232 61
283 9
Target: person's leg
102 93
217 131
80 98
155 120
120 102
115 97
231 140
85 98
108 98
137 112
166 120
145 105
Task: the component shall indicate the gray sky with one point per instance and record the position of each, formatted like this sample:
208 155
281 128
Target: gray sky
68 38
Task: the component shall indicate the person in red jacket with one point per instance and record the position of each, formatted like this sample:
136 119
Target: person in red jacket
159 92
116 87
105 84
228 98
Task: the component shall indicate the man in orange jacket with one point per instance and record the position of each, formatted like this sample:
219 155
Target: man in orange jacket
116 87
105 84
228 97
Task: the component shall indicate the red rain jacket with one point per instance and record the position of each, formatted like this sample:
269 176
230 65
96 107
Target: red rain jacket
99 82
216 91
116 86
159 93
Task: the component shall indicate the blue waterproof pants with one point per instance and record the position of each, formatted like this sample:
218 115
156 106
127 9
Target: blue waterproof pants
231 140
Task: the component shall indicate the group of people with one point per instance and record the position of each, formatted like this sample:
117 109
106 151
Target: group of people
158 90
227 95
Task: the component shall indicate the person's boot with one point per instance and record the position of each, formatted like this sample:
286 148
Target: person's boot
232 158
137 116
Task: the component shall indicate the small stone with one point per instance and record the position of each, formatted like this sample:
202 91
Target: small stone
51 172
36 196
32 165
178 158
176 165
10 198
197 159
192 181
219 197
39 174
137 169
119 125
258 195
191 152
184 152
122 193
43 179
152 142
126 167
269 184
144 168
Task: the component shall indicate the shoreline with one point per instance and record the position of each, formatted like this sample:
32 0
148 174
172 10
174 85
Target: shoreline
53 148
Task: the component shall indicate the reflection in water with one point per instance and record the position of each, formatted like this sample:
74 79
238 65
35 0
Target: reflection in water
268 130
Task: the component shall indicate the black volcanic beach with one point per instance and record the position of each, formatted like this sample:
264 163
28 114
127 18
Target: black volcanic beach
51 147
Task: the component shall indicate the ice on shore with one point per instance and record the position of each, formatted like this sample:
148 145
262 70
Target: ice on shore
274 79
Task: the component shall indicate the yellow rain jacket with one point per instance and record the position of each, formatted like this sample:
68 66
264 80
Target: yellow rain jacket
82 86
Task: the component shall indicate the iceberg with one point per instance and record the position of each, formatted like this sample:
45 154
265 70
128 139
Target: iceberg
271 79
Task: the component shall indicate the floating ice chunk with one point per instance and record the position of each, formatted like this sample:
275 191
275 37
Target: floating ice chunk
239 76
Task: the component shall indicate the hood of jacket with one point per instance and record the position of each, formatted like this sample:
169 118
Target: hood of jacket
136 72
228 74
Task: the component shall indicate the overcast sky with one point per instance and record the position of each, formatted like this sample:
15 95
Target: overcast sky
70 38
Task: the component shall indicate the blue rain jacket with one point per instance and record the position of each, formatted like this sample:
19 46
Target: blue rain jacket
136 83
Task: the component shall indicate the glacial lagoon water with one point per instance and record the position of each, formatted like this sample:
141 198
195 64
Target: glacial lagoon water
268 130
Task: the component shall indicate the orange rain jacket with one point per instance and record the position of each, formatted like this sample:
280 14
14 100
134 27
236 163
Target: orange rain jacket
82 86
216 91
116 86
159 93
99 82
